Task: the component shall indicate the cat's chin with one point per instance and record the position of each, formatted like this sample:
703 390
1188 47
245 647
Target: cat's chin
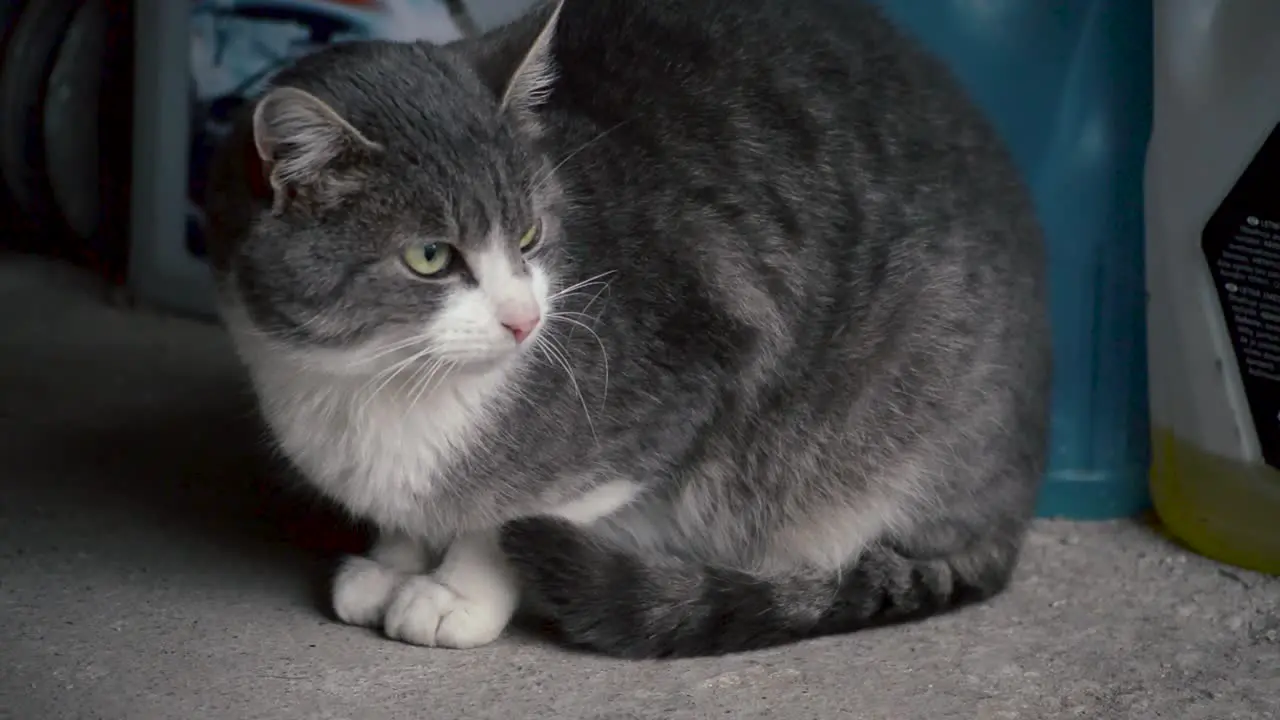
482 366
498 362
376 360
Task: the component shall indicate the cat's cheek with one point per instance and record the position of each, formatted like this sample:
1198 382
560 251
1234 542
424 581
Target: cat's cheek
465 329
540 282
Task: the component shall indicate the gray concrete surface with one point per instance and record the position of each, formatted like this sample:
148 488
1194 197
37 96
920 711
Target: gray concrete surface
144 574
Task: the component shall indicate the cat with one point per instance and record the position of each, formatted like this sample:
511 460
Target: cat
684 327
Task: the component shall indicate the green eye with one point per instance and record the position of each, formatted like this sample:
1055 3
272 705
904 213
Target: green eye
429 259
531 236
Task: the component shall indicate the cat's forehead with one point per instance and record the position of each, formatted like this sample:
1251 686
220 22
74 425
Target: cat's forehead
413 98
468 194
468 204
448 159
431 124
446 136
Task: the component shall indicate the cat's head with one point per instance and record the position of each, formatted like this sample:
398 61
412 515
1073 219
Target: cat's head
407 210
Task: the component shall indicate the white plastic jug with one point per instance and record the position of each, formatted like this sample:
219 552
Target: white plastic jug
1213 277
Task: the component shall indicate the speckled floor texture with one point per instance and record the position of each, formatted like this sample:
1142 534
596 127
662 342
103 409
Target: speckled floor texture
144 573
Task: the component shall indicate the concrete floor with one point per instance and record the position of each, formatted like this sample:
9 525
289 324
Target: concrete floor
148 570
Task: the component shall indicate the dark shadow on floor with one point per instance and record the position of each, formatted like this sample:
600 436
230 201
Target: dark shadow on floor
200 474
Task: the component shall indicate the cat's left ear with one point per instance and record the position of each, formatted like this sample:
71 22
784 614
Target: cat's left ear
530 83
517 62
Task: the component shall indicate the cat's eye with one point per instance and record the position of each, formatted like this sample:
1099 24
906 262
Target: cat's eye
531 236
428 259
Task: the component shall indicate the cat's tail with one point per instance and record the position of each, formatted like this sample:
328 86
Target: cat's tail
606 600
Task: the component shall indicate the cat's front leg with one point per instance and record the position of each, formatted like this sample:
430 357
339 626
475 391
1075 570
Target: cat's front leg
363 586
465 603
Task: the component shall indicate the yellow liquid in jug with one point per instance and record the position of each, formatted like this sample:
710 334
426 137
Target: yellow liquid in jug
1222 508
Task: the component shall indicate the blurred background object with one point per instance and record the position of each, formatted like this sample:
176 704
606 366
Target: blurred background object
72 77
65 65
218 54
1069 87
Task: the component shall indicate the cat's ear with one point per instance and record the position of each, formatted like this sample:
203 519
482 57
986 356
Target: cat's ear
518 64
306 148
529 83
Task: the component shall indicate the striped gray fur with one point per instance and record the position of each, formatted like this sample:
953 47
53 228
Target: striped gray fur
812 349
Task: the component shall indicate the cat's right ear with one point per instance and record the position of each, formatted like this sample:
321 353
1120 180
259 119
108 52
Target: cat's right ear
300 142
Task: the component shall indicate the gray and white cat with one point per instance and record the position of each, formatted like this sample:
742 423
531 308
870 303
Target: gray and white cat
689 326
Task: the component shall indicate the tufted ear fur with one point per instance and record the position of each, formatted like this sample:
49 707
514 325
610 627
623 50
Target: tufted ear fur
531 81
520 66
306 148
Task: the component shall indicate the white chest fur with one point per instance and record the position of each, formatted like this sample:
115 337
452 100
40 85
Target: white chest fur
376 451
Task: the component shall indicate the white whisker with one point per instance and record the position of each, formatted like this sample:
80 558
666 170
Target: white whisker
390 374
418 388
313 320
594 280
560 356
388 349
573 313
537 184
604 354
595 297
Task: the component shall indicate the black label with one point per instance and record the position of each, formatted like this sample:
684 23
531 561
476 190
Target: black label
1241 243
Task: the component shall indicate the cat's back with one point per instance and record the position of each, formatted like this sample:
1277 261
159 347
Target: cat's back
771 87
639 43
650 58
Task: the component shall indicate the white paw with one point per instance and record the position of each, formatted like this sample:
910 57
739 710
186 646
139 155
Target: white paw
361 591
424 612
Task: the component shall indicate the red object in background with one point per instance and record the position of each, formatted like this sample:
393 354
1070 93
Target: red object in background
259 186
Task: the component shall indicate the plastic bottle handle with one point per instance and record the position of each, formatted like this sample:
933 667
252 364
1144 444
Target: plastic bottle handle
1207 49
1183 43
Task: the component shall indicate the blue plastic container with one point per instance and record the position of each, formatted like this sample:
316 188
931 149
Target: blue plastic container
1068 85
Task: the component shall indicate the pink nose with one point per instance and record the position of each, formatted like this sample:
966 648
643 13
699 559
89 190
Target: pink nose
521 326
